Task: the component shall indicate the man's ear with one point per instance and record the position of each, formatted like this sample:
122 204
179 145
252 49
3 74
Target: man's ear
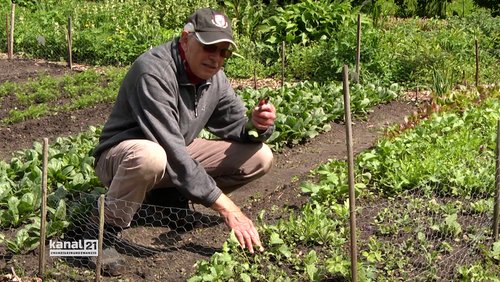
184 37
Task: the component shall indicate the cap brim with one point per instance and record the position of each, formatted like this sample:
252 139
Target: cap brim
209 38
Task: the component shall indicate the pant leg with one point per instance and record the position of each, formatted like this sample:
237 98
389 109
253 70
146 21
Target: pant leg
129 170
232 164
133 167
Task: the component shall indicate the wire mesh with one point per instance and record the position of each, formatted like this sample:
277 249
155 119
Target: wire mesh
422 237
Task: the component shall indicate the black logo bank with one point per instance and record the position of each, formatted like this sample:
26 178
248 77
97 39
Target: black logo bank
80 248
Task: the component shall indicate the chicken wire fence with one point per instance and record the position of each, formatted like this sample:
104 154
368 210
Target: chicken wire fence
423 236
154 229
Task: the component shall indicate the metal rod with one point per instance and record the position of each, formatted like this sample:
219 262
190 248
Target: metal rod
350 162
101 238
496 209
43 209
358 49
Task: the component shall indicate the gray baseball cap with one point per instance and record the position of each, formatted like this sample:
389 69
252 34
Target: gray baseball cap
210 27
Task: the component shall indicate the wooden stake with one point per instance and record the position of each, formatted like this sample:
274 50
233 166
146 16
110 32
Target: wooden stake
70 43
496 208
350 160
101 238
282 63
11 32
7 32
477 63
358 49
43 209
255 77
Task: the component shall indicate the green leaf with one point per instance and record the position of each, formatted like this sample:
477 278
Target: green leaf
275 239
495 252
60 213
5 190
253 133
12 203
27 203
245 277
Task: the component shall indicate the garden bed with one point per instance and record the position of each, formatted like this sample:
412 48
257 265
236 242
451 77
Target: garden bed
278 188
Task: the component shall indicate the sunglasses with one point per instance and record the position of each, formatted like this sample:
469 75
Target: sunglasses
213 48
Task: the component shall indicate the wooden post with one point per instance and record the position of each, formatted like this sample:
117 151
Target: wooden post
496 208
43 209
70 44
7 32
282 63
101 239
11 32
255 77
477 62
416 95
350 160
358 49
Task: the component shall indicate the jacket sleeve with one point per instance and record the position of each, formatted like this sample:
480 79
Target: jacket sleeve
155 107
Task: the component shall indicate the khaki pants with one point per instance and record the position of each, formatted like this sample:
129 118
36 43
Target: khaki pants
133 167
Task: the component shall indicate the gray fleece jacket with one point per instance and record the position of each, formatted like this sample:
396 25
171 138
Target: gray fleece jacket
156 101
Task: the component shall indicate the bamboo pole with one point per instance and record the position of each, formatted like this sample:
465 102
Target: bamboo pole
496 209
350 160
477 62
43 209
358 49
101 239
70 43
11 32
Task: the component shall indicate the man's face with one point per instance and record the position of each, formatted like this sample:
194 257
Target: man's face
203 61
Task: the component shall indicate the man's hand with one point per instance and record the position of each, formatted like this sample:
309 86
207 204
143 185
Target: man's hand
243 227
263 115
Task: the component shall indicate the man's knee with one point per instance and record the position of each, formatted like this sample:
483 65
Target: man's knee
150 158
265 158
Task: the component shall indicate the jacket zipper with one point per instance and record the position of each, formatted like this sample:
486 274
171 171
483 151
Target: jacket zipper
197 96
196 104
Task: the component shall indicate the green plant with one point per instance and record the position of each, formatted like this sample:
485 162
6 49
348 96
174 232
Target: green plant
70 170
44 95
307 21
449 227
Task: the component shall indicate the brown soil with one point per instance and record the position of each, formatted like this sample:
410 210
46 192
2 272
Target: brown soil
278 188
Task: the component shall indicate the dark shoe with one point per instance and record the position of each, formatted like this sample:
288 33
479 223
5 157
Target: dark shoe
166 197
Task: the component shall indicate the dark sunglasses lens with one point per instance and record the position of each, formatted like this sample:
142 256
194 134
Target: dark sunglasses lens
210 48
226 53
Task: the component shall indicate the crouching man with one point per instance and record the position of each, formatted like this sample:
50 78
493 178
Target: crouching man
149 142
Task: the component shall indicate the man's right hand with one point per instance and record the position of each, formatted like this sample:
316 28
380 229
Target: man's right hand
243 227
